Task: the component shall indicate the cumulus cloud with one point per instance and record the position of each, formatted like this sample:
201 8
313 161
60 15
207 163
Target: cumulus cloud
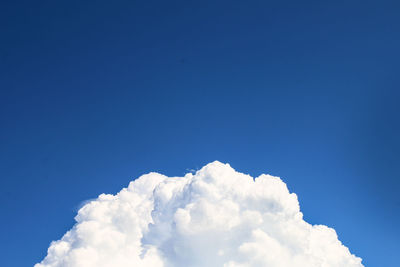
215 217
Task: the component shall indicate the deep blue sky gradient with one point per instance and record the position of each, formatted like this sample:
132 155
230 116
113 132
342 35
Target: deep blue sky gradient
96 93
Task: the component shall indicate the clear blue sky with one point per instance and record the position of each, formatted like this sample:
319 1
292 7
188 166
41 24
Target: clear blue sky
96 93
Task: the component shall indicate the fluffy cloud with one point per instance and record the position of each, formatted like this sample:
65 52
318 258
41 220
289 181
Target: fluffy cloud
216 217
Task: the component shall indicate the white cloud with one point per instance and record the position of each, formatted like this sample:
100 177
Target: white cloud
215 217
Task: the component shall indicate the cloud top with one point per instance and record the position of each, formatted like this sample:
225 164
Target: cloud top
215 217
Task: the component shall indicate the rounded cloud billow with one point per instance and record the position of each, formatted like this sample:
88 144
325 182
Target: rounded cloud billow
216 217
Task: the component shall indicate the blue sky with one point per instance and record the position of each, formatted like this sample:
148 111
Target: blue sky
95 94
